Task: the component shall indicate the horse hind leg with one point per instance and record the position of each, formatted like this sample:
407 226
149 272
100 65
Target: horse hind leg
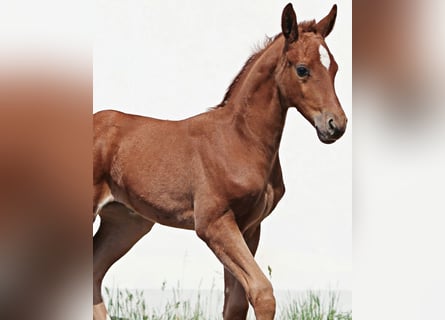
236 304
119 230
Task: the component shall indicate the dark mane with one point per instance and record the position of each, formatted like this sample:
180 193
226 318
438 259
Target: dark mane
305 26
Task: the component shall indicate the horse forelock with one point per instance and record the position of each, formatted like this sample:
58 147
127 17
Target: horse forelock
307 26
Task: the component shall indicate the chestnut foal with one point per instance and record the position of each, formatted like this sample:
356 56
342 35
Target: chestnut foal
217 173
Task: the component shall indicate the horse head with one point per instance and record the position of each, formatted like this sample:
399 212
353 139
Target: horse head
307 72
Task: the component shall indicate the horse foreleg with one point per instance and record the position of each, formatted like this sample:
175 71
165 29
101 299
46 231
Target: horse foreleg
222 234
236 304
119 230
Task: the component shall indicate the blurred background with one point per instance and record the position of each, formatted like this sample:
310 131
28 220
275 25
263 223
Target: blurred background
45 163
398 158
397 155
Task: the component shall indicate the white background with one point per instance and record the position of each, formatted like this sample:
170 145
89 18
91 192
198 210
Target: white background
174 59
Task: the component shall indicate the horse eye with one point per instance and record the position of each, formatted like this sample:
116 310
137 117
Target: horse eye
302 71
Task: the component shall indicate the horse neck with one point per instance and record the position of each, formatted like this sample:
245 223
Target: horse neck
255 102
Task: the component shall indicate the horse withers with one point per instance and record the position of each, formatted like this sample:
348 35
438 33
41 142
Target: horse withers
219 172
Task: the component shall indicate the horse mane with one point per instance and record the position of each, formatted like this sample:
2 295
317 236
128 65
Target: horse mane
305 26
259 49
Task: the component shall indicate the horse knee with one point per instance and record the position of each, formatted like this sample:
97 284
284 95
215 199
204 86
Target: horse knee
263 300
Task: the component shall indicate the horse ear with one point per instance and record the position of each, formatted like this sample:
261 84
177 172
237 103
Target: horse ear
289 24
325 25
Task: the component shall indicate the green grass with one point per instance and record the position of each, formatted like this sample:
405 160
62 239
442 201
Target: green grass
131 305
311 307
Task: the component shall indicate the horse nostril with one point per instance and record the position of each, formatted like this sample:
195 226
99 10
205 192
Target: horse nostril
332 128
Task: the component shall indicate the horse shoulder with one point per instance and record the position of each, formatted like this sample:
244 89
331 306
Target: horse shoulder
238 176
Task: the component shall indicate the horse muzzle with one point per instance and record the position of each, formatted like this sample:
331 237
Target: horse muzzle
329 127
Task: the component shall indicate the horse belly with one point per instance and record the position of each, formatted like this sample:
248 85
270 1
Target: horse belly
154 189
180 219
160 208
